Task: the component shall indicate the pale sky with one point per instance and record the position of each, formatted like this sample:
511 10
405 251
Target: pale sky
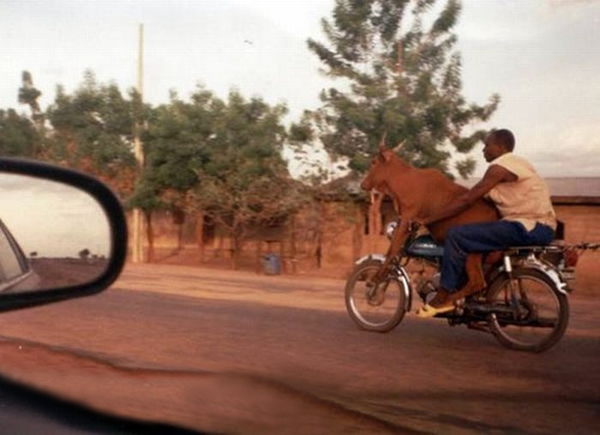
52 219
541 56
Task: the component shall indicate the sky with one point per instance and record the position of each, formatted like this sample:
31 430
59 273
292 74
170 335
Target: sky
52 219
541 56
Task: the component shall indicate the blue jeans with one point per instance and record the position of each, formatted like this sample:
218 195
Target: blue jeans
484 237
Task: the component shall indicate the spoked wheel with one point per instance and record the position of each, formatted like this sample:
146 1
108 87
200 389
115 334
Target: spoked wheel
375 307
533 317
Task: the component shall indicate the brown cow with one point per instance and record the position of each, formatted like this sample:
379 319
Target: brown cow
419 193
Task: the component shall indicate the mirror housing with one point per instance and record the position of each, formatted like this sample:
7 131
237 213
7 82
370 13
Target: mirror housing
114 215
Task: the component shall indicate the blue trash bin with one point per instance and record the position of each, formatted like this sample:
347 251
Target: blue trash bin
272 264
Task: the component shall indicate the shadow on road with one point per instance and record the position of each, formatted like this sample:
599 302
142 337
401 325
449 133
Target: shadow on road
26 411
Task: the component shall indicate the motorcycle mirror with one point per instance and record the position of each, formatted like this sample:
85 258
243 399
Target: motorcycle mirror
63 234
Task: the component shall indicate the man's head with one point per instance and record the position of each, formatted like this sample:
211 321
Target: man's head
497 143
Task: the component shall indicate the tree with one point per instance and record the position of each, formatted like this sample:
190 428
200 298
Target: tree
401 77
146 198
18 136
244 183
93 131
29 95
175 147
217 159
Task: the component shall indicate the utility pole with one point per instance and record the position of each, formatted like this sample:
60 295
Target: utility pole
137 251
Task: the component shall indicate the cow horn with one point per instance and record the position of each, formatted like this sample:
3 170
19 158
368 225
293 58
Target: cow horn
400 145
382 142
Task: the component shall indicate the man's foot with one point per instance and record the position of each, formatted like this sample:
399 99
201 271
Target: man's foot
465 291
443 302
441 296
427 310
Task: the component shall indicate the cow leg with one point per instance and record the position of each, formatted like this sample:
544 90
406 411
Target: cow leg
396 244
476 279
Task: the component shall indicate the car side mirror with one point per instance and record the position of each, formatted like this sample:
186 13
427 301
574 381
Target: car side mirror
63 234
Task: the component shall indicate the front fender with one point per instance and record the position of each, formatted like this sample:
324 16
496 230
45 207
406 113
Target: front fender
376 257
400 275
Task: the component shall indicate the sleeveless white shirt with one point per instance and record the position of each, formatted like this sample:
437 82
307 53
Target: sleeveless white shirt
526 200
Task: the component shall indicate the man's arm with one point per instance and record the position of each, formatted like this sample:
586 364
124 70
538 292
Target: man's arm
494 175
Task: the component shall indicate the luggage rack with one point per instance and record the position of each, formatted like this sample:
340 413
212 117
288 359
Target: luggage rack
563 256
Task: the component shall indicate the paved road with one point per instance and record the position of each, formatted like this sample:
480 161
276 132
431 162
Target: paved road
227 352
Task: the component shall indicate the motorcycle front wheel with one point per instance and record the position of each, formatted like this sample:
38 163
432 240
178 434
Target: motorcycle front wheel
378 308
533 317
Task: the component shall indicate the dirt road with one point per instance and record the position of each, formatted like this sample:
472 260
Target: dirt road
228 352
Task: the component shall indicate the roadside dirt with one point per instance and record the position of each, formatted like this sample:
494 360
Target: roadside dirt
64 272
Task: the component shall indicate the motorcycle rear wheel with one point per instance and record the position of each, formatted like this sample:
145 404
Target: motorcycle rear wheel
379 308
543 311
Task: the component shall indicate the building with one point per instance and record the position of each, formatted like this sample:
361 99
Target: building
328 236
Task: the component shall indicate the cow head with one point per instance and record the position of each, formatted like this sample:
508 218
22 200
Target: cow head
380 169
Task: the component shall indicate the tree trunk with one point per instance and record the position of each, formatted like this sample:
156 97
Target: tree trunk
150 236
293 242
180 237
200 234
319 233
238 235
219 251
357 236
235 251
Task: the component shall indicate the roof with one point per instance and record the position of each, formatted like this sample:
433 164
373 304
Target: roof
563 190
574 186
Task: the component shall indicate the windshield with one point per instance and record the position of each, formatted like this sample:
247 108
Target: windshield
256 296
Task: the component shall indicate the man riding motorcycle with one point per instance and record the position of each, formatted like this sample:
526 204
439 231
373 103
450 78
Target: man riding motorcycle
523 200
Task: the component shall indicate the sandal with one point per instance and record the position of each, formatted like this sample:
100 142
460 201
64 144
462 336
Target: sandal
427 310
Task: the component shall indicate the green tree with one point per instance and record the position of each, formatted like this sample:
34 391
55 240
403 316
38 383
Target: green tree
220 159
147 199
175 144
92 130
29 94
401 76
244 183
18 136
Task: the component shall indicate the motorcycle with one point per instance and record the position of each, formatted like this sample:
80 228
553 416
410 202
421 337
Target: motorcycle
525 304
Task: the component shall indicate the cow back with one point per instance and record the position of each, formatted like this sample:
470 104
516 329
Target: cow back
423 192
481 211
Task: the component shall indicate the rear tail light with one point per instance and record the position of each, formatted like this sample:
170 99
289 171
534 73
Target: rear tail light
571 257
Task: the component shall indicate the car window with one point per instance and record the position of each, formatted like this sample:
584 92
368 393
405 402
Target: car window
11 266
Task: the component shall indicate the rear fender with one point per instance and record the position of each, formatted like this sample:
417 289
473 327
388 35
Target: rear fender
550 272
